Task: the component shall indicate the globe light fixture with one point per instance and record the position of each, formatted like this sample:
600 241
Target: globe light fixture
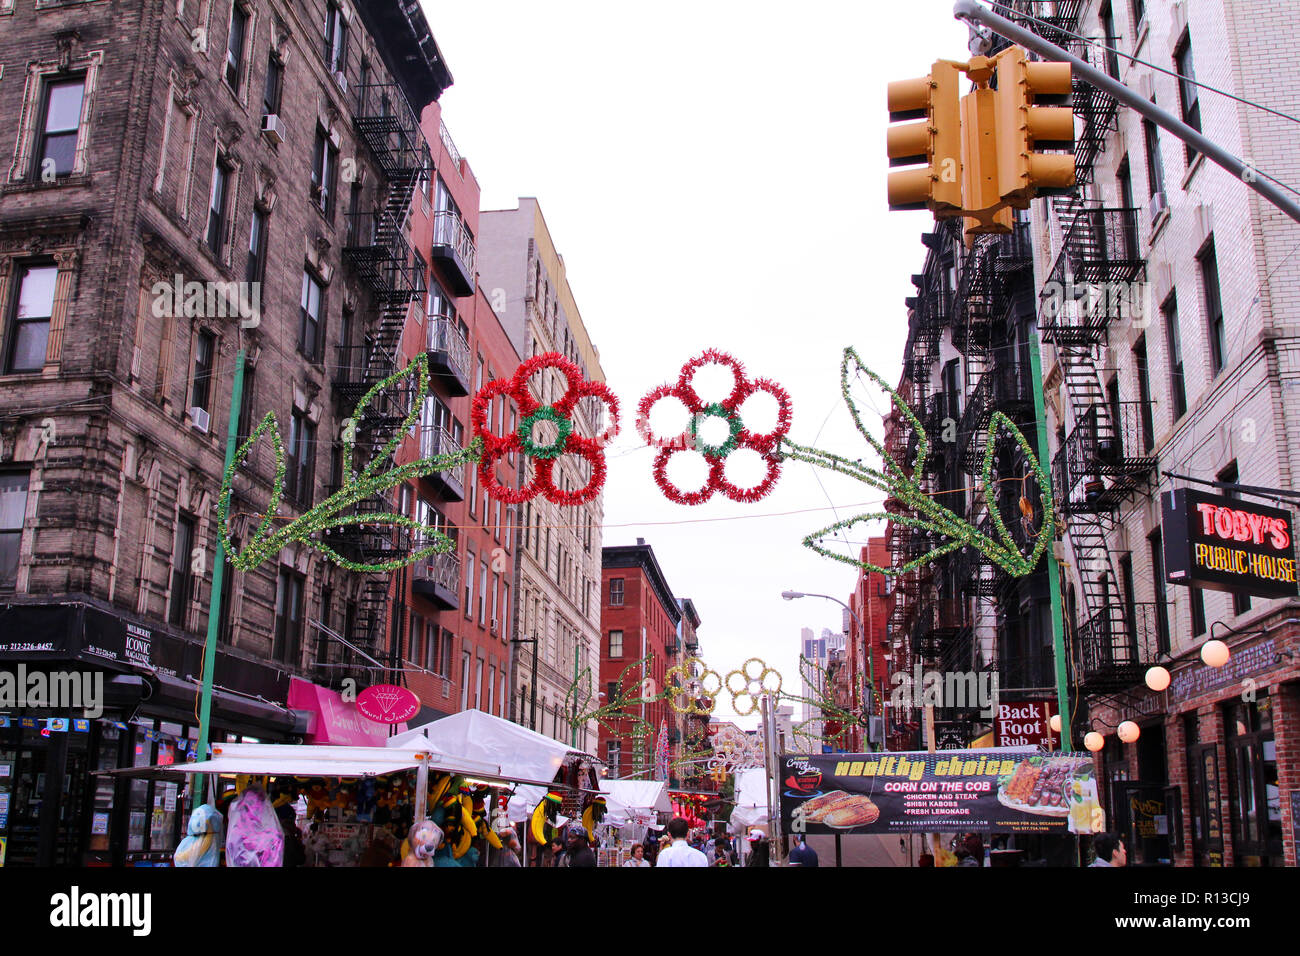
1157 678
1128 731
1055 723
1094 741
1215 653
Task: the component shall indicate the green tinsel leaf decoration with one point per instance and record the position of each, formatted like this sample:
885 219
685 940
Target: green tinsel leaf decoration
927 515
326 516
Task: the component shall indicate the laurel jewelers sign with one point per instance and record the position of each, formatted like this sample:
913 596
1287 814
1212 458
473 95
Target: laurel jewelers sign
1225 544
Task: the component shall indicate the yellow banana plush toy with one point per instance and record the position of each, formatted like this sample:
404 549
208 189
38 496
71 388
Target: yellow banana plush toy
542 823
592 816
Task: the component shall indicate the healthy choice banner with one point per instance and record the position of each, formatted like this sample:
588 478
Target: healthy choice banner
953 790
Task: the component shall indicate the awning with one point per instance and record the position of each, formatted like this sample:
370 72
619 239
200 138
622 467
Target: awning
639 794
308 760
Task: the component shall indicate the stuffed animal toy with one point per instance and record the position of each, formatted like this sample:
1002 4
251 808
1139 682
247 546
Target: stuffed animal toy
254 837
422 843
202 847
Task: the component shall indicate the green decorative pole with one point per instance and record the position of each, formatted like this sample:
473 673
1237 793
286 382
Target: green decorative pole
218 583
1053 569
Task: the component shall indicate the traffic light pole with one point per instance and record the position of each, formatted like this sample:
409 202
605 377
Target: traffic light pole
971 11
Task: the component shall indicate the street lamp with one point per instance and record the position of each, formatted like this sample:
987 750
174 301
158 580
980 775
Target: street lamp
871 661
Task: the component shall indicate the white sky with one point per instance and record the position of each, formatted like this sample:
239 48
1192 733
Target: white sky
714 175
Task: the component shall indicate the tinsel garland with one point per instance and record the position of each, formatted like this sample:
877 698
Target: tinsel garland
833 720
578 699
691 696
927 514
751 685
267 542
765 444
521 439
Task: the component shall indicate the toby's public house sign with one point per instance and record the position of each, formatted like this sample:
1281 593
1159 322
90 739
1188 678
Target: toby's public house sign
1225 544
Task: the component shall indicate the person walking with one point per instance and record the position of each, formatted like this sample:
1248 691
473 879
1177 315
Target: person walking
638 856
759 851
680 853
579 849
1109 849
803 854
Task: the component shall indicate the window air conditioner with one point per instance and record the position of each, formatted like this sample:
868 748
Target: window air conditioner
273 127
200 419
1158 205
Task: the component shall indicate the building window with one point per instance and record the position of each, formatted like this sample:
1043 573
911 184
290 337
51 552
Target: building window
60 126
613 753
336 38
1155 167
1176 383
1139 16
288 616
616 592
1209 263
274 86
478 684
615 644
1143 371
1156 545
235 45
469 583
464 680
29 327
205 347
482 593
217 205
245 427
1187 89
1198 609
445 657
255 268
182 576
13 510
1112 41
324 173
299 458
310 338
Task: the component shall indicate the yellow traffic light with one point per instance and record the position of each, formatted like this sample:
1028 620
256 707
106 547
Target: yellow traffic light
980 156
934 143
1023 128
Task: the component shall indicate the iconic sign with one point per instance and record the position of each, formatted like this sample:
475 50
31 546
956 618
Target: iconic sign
387 703
1228 545
1024 724
962 790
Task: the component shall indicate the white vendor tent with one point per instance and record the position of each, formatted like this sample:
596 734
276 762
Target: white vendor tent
751 799
515 752
650 796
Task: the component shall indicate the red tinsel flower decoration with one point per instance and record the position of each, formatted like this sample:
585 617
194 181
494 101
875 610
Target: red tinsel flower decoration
544 455
738 435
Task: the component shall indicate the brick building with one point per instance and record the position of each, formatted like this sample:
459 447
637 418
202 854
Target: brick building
1190 374
557 618
868 653
639 618
268 152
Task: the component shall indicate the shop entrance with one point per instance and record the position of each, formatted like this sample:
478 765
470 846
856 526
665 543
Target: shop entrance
1252 783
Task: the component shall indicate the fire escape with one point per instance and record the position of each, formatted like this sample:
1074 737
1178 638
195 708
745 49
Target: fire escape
378 251
1106 454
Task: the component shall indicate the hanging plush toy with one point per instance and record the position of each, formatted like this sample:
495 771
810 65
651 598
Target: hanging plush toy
422 842
255 837
202 847
592 816
543 819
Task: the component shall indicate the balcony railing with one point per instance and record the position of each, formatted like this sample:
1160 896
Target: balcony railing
453 245
449 355
381 255
1114 648
1108 441
387 124
436 440
438 578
